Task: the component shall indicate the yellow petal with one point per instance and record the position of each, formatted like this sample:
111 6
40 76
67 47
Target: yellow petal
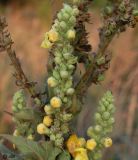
72 143
91 144
46 44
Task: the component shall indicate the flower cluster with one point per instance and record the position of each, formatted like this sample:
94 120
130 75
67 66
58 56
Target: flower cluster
63 28
48 122
104 124
79 147
55 123
23 128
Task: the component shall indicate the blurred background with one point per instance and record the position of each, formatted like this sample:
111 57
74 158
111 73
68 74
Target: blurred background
28 21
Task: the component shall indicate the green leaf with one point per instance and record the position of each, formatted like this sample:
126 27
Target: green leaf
41 151
9 154
52 152
64 156
26 146
28 114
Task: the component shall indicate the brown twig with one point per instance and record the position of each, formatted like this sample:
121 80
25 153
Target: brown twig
6 45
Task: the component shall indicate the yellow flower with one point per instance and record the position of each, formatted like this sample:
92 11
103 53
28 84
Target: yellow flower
47 121
108 142
81 154
71 34
52 36
41 128
56 102
16 133
52 82
72 144
81 142
91 144
30 137
46 44
48 109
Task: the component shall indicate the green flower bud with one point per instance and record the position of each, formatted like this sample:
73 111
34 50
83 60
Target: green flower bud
90 131
71 67
19 106
75 11
64 74
65 99
111 120
67 8
67 117
101 78
101 60
37 101
72 20
67 55
110 107
70 91
122 7
63 25
72 60
63 66
66 16
58 136
60 16
52 137
106 115
106 103
108 10
98 128
58 60
20 100
104 124
98 117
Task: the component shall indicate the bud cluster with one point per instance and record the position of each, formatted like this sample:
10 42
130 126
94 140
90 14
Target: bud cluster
60 82
23 128
118 16
18 101
104 121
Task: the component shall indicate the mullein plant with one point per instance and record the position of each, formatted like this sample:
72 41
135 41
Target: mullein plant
44 131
